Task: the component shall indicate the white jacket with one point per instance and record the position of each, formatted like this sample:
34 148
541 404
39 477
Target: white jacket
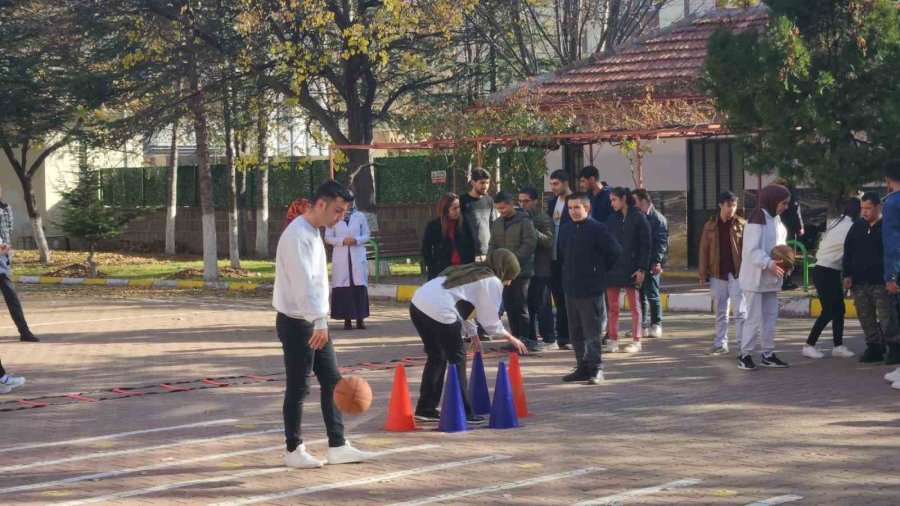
758 243
831 249
345 258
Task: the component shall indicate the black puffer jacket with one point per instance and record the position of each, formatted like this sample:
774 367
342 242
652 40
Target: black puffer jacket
633 233
437 249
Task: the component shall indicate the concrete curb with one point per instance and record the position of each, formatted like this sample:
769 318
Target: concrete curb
672 302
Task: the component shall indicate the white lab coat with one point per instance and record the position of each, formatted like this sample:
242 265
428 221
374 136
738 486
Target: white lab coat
357 228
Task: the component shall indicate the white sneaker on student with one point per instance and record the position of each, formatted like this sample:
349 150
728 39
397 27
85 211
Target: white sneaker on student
655 331
11 382
346 454
632 347
812 352
895 385
892 377
301 460
612 346
842 352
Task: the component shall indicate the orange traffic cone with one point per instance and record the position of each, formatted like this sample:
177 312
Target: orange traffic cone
400 413
518 388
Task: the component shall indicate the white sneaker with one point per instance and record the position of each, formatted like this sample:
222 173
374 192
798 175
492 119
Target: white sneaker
346 454
812 352
633 347
612 347
842 352
11 382
301 460
895 385
893 377
656 331
554 346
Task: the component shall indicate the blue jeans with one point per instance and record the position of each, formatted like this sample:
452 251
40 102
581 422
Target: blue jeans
651 302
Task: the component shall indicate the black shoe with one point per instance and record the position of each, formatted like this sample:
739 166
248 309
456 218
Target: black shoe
360 324
874 353
596 377
745 363
476 420
534 346
348 325
604 340
773 361
29 338
467 340
428 416
893 355
580 374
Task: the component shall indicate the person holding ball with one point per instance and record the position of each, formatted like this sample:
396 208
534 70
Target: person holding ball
301 299
438 309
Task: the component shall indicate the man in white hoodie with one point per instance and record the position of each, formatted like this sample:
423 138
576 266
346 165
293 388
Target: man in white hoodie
301 299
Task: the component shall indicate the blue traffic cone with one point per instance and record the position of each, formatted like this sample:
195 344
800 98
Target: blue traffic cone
503 411
478 389
453 413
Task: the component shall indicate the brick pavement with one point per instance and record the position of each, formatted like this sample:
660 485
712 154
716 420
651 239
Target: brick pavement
824 430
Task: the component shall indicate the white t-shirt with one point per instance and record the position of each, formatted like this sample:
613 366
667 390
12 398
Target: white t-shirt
557 218
439 303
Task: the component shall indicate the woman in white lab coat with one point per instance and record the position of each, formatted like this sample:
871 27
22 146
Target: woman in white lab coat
349 293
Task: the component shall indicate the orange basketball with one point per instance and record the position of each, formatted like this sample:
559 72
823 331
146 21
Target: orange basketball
352 395
784 255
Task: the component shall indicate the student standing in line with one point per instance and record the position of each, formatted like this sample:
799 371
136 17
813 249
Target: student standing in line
720 264
651 300
559 211
632 230
540 313
478 210
891 237
829 287
761 276
447 241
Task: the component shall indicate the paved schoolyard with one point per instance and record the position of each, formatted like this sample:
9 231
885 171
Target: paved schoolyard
670 426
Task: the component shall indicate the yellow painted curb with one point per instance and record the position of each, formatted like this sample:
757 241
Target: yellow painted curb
46 280
664 300
190 283
94 281
140 282
815 308
242 286
405 292
680 274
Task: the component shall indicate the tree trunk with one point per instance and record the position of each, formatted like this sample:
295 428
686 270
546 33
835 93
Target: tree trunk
262 190
201 131
234 250
361 170
172 191
37 224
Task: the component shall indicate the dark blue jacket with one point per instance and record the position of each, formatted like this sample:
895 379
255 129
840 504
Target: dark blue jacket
659 237
864 254
891 234
587 250
632 231
601 209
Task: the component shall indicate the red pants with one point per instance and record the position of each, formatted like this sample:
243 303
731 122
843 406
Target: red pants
612 295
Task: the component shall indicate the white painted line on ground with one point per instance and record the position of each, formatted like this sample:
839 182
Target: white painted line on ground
781 499
130 451
362 481
640 492
152 467
98 320
498 488
219 479
67 442
206 304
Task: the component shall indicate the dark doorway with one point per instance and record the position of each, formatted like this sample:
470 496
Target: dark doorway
712 169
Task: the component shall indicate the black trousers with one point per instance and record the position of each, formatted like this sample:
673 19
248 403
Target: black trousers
443 344
831 294
540 314
294 335
13 304
2 370
515 303
559 298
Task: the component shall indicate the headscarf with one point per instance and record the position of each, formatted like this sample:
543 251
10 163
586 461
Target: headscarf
769 198
298 207
501 263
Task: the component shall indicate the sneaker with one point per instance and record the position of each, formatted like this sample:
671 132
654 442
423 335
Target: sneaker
874 353
565 346
346 454
842 352
10 383
428 416
29 338
745 363
718 350
632 347
773 361
895 385
579 374
551 346
301 460
812 352
596 378
893 377
655 331
534 346
476 420
612 346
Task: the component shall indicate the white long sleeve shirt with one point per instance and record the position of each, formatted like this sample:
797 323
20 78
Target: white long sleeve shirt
301 274
439 303
831 250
